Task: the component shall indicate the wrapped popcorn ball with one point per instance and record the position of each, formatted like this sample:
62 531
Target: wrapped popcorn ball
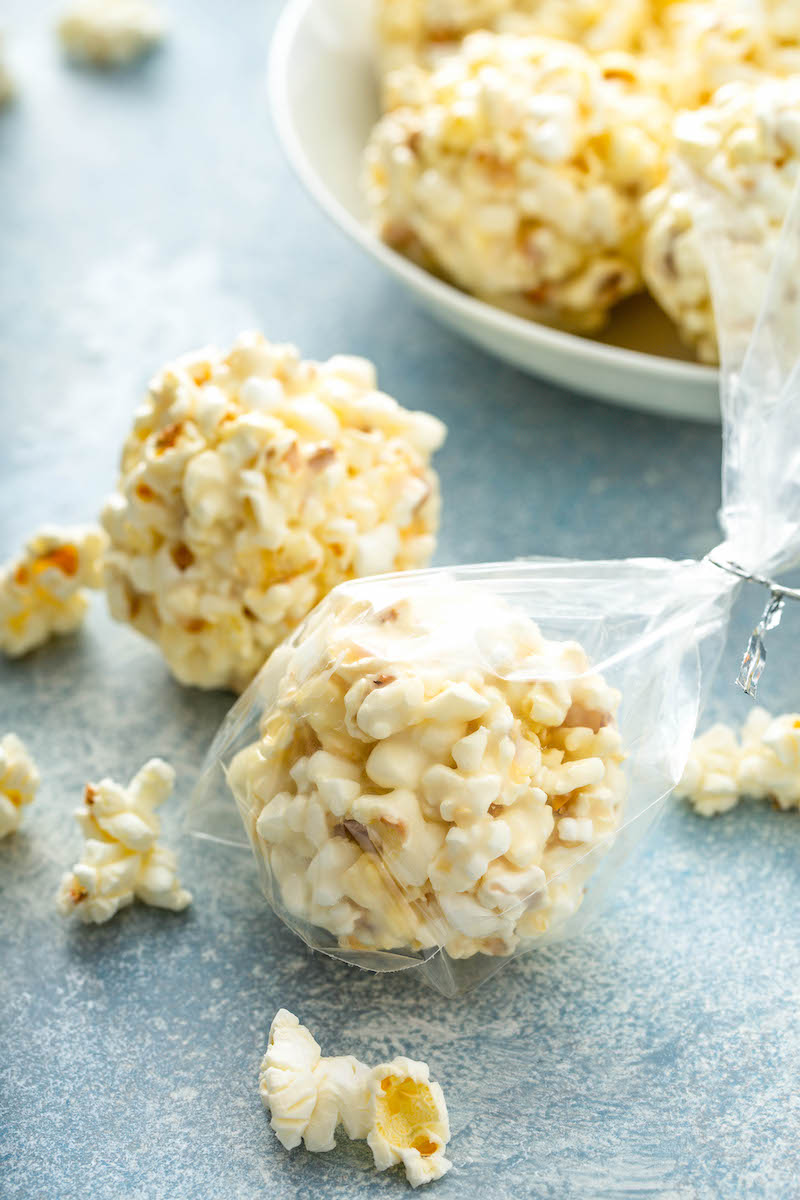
396 1106
19 781
404 799
516 168
110 32
251 484
41 591
744 148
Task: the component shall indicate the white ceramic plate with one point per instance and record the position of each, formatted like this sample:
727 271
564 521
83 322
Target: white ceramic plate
324 102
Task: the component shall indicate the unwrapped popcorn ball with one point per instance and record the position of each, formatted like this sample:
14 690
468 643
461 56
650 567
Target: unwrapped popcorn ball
122 858
763 763
253 482
423 31
516 168
110 32
744 148
19 780
41 591
431 772
396 1106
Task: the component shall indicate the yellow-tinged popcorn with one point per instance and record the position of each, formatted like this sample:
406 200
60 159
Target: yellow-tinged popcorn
432 771
762 763
744 150
396 1106
408 1120
122 858
252 483
110 32
7 88
41 591
424 31
19 780
516 168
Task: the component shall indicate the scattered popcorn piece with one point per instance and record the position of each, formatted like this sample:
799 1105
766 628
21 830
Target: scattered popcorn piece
41 590
517 168
763 764
396 1106
110 32
431 772
408 1120
19 780
122 859
252 483
744 147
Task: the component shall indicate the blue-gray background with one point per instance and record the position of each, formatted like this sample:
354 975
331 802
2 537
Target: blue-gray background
145 212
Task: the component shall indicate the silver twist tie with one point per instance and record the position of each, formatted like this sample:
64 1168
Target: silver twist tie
755 656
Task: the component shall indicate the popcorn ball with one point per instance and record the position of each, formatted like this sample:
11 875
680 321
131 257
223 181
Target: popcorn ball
122 858
516 169
41 592
423 31
395 1106
19 780
432 772
251 484
110 32
764 763
744 149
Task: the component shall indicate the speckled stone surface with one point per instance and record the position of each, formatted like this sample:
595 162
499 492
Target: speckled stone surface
657 1055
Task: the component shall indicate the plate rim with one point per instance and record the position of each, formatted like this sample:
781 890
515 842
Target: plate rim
415 277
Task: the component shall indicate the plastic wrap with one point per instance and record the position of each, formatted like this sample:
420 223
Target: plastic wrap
443 769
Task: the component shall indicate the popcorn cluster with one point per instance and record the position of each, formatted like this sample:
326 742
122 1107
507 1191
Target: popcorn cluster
251 484
745 149
514 160
110 32
763 764
424 31
122 859
41 591
19 780
396 1106
431 772
517 168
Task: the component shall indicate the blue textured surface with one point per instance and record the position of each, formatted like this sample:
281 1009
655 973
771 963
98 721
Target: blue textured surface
142 213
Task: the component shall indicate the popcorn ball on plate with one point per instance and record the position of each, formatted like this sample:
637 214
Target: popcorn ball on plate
41 591
19 780
743 150
251 484
122 858
424 31
110 32
431 771
516 169
396 1106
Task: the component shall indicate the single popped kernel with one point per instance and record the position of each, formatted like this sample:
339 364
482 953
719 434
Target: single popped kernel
408 1120
741 152
122 859
396 1106
763 762
41 591
110 32
431 772
251 483
19 780
517 169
